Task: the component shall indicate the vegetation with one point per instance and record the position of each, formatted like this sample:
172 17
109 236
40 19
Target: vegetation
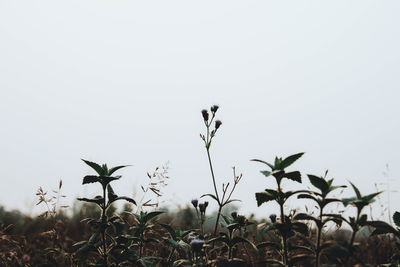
142 235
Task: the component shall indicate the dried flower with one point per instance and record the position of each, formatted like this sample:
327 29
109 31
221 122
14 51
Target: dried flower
204 112
234 214
217 124
203 207
214 108
273 218
197 244
195 202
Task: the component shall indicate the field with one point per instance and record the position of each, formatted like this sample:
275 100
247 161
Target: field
96 233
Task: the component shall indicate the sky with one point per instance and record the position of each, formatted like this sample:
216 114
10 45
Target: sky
123 82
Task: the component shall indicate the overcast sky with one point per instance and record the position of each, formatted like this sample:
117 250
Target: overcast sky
123 82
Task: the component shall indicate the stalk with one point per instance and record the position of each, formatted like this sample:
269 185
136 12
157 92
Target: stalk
103 230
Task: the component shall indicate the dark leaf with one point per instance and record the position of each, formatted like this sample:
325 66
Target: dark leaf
114 169
319 183
396 218
95 167
266 173
151 215
358 194
131 200
90 179
269 164
98 200
299 258
295 176
290 160
210 195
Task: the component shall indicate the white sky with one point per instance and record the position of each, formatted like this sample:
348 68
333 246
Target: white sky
123 82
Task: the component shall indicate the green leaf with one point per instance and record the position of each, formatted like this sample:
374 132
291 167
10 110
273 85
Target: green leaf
114 169
107 179
382 228
263 197
151 215
259 160
98 200
110 193
358 194
210 195
295 176
319 183
304 216
290 160
90 179
95 167
266 173
370 198
307 196
170 230
131 200
238 239
396 218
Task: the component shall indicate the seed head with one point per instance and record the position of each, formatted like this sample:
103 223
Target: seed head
214 108
204 112
197 244
203 207
195 202
217 124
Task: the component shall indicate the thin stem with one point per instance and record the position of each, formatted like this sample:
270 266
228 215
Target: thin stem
212 173
170 255
103 221
217 221
319 229
284 239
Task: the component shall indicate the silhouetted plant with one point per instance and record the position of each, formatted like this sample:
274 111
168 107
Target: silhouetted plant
286 227
208 138
341 254
321 198
234 224
99 239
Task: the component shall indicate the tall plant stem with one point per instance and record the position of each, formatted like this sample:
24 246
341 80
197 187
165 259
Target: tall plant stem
319 229
103 233
216 191
284 239
212 173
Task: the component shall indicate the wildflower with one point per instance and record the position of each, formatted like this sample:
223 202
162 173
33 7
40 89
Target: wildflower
214 108
203 207
204 112
195 202
197 244
217 124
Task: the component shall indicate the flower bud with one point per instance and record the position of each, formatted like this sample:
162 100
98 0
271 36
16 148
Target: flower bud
217 124
214 108
204 112
234 215
203 207
197 244
195 202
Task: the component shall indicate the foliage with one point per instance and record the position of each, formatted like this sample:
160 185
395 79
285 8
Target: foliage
96 234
